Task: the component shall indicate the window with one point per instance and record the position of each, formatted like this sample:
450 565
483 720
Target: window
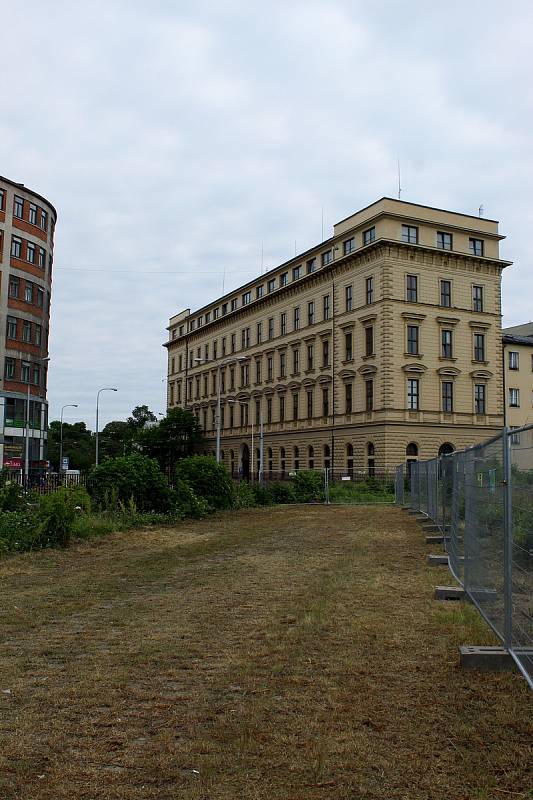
259 291
258 412
477 298
223 345
327 457
200 320
479 347
232 379
296 361
224 309
444 240
309 404
412 393
215 313
222 381
326 307
283 323
369 340
369 235
413 340
16 247
295 405
28 292
271 285
11 328
349 459
369 290
271 328
311 312
296 318
476 246
411 288
327 257
348 392
37 375
245 374
246 298
258 371
215 350
297 273
348 346
10 368
38 334
259 332
205 385
446 294
514 398
311 457
269 409
30 253
513 359
409 234
349 298
233 342
446 344
447 397
348 246
283 278
311 265
14 286
245 338
282 408
325 401
310 356
270 368
193 324
325 353
206 352
25 372
26 331
480 398
234 304
44 219
515 437
207 317
18 207
2 200
282 365
369 395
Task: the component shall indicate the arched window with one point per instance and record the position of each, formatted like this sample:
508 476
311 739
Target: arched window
282 461
296 458
349 459
446 449
411 449
327 457
270 461
371 461
311 456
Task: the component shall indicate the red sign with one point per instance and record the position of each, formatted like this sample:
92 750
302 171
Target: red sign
13 463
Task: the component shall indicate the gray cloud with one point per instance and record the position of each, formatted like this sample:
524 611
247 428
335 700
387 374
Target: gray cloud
175 137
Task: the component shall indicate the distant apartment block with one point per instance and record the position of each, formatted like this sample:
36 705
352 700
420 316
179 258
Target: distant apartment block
379 345
518 366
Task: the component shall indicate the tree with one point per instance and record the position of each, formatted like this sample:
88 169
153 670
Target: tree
139 417
116 439
172 439
78 445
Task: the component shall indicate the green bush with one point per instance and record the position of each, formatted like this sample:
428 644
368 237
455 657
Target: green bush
18 531
308 486
263 496
56 513
11 497
134 476
282 493
245 496
186 502
208 479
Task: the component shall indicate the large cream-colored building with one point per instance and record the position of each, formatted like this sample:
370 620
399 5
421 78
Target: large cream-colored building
380 344
518 384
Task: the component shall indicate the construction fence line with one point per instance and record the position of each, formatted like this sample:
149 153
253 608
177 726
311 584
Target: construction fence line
481 499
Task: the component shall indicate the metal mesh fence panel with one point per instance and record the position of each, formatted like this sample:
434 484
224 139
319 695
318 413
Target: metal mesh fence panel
455 513
399 485
521 568
432 505
414 486
423 487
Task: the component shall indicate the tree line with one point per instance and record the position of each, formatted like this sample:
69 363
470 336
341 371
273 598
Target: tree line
167 439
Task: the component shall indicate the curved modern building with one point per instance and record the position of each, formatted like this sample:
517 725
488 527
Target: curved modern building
27 222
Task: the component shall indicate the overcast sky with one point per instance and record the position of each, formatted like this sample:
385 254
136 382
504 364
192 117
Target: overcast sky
175 137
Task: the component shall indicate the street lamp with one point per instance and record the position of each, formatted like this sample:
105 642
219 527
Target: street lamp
68 405
105 389
219 367
27 443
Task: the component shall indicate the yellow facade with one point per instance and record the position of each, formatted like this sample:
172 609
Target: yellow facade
388 344
518 361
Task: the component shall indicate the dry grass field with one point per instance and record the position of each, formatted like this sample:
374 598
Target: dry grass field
275 654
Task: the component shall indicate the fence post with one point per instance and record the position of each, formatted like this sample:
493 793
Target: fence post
507 540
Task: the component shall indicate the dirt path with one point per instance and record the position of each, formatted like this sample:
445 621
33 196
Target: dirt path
282 654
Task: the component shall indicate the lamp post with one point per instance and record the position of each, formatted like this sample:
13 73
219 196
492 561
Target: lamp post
27 443
105 389
68 405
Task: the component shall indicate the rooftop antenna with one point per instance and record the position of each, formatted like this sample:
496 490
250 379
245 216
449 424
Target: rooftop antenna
481 210
295 248
322 223
399 182
223 279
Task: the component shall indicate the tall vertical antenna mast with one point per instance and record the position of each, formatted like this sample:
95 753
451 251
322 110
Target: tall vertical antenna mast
399 182
481 210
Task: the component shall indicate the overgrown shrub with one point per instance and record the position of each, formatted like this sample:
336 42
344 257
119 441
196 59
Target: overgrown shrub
262 495
282 493
56 513
245 496
208 479
134 476
187 503
11 496
18 530
308 486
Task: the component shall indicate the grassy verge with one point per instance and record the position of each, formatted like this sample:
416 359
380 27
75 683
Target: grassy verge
284 653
